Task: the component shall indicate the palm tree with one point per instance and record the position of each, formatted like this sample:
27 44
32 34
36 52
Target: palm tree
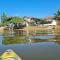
57 15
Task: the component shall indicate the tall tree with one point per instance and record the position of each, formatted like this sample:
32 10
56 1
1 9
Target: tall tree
57 15
4 17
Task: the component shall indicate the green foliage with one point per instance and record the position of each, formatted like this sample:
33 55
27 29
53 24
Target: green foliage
5 20
16 20
58 12
57 15
1 24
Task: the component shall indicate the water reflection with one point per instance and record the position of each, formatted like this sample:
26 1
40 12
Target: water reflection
1 38
44 37
13 37
31 46
20 37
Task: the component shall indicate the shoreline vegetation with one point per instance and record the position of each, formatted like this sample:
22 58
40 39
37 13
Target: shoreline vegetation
30 23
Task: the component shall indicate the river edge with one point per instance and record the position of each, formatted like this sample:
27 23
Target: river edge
56 30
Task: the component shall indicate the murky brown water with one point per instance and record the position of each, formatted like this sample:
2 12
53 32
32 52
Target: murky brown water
31 46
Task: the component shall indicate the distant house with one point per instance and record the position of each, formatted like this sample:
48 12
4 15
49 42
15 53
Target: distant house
53 23
48 19
29 20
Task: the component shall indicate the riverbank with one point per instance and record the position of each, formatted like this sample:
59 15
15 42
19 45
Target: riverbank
31 28
37 28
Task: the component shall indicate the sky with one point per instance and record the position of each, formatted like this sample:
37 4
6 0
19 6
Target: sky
32 8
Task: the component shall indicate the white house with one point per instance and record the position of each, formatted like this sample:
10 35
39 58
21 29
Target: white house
53 23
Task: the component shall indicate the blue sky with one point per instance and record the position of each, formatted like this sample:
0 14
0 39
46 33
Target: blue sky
35 8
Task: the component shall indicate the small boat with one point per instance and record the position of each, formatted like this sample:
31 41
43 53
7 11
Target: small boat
10 55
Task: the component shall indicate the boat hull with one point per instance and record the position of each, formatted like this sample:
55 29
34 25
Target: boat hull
10 55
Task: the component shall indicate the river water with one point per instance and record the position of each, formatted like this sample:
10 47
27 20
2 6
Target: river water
31 47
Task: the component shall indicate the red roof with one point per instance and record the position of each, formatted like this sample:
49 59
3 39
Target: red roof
48 18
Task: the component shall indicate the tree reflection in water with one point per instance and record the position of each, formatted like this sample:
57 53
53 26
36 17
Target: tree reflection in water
20 37
14 37
57 39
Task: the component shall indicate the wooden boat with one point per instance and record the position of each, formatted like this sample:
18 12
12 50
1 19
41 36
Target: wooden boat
10 55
